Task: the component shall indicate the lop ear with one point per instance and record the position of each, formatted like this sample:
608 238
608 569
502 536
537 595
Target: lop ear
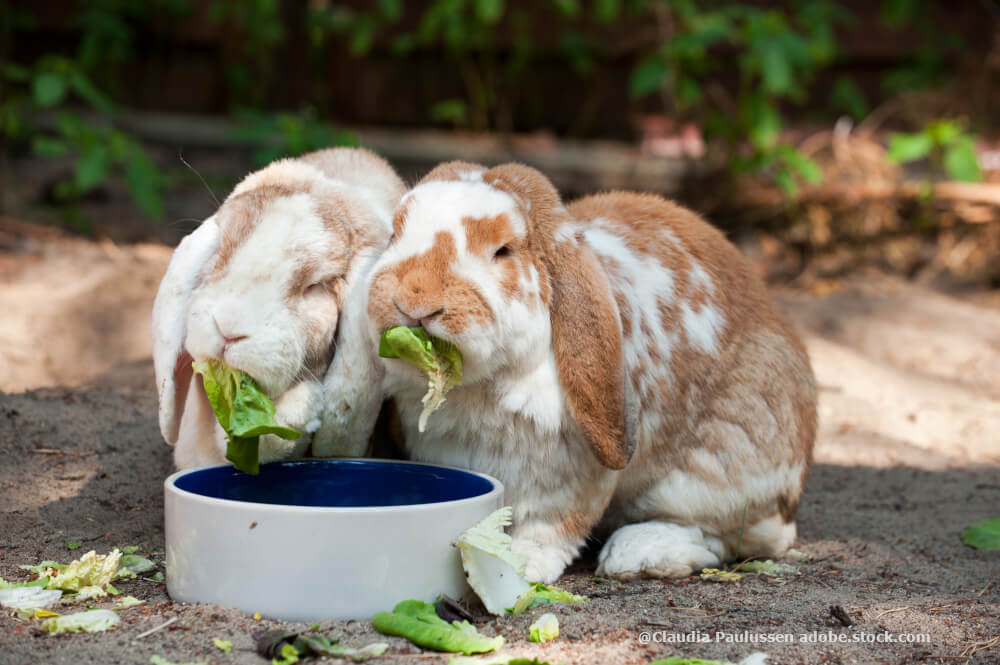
586 328
171 362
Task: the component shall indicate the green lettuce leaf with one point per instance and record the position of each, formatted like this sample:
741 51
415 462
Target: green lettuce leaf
767 567
544 629
90 570
418 622
244 411
541 594
494 572
441 361
984 535
92 621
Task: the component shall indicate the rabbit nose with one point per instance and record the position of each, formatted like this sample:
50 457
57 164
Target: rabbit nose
412 315
418 298
229 337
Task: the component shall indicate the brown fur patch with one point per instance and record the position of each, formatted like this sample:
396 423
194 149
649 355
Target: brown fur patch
748 408
422 286
239 216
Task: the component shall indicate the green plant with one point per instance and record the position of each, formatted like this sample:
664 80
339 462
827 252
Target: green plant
776 54
950 149
57 86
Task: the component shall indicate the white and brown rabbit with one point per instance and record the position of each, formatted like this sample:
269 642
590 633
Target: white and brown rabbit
260 285
624 371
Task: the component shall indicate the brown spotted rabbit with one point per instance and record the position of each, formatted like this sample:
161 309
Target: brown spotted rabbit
624 371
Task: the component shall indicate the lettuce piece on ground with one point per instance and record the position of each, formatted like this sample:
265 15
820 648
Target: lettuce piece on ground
127 602
984 535
544 629
90 570
133 564
441 361
418 622
768 567
40 582
319 645
542 594
225 646
244 411
716 575
494 572
92 621
28 597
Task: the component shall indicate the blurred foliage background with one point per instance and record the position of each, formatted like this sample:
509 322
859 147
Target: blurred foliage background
738 84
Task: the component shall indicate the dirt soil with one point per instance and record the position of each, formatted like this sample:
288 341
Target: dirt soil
908 455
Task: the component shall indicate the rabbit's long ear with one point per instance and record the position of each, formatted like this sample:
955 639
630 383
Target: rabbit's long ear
586 329
171 362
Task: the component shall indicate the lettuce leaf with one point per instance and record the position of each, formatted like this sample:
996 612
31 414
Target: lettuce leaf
33 597
418 622
90 570
495 573
244 411
441 361
541 594
92 621
544 629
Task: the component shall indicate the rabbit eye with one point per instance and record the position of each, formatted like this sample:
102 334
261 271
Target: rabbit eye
319 287
502 252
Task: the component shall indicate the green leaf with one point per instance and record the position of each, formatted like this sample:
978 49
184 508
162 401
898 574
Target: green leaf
143 180
909 147
16 73
391 9
129 549
568 8
648 76
961 162
847 96
418 622
48 89
606 11
450 110
763 122
984 535
225 646
73 544
134 563
441 361
82 86
489 11
544 629
92 621
244 411
363 36
92 167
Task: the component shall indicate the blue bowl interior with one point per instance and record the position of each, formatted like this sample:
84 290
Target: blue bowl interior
336 484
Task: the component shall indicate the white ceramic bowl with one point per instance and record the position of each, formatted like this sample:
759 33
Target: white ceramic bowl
321 539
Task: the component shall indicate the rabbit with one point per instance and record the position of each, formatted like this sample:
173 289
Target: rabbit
624 371
260 285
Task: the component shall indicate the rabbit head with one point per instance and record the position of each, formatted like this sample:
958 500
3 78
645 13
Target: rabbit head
260 284
479 258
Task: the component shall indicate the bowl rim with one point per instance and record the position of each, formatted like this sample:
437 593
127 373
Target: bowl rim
170 487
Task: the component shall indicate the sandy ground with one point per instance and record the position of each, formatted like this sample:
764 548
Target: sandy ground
908 454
